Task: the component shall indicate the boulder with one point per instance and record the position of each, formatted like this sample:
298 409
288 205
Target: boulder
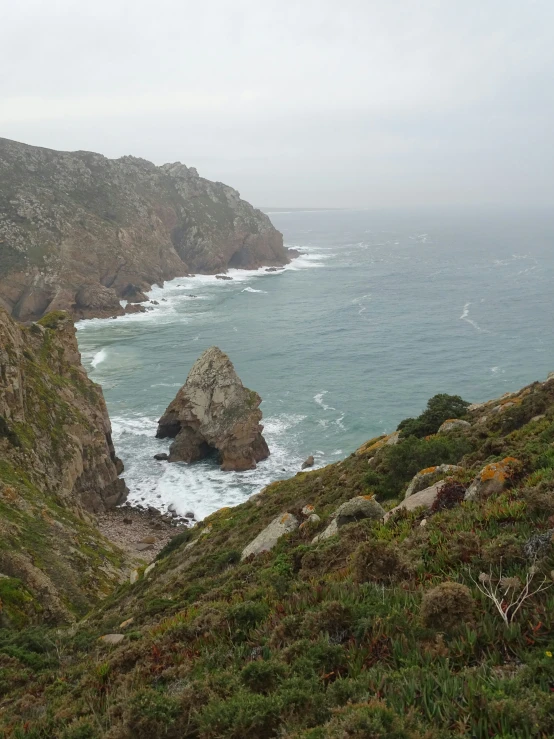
454 424
223 277
309 462
266 539
134 308
422 499
362 506
424 477
161 456
214 412
112 639
492 479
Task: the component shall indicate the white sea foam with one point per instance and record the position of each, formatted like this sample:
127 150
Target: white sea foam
99 357
465 317
252 290
201 487
319 400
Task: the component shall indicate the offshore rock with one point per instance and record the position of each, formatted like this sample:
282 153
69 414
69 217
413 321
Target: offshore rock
214 412
79 232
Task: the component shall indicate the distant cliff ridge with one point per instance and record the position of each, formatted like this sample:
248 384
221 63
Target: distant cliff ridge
79 231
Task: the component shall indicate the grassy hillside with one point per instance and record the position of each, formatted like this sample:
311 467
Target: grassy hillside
382 630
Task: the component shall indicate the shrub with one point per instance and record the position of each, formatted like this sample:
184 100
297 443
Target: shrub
449 495
262 676
373 720
244 616
379 561
446 606
244 716
333 618
439 409
505 548
153 714
175 543
399 463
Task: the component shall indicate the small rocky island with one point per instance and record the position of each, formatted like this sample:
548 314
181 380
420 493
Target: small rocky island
214 413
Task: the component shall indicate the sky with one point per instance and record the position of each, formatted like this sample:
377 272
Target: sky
297 103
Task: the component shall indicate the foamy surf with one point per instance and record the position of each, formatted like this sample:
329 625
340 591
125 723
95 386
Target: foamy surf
98 358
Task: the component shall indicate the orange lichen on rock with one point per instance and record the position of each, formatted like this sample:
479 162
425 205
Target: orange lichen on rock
427 471
500 471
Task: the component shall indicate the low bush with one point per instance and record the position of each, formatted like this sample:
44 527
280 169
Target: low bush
447 606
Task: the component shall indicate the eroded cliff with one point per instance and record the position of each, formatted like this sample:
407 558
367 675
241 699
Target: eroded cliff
79 231
57 467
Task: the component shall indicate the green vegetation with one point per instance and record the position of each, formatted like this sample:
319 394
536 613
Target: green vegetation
439 409
379 631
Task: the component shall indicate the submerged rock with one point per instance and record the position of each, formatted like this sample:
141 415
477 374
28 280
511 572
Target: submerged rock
214 412
223 277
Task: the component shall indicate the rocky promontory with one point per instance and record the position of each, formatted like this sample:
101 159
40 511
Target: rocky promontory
57 469
79 232
214 413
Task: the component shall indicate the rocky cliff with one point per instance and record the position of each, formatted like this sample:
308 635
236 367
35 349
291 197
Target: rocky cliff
57 467
305 612
214 412
79 231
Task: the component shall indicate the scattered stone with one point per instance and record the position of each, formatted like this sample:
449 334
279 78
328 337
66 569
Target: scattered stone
492 479
308 510
127 521
362 506
153 511
314 518
454 424
189 514
268 538
309 462
161 456
148 540
126 623
214 411
112 639
424 477
154 302
149 569
134 576
422 499
271 269
143 547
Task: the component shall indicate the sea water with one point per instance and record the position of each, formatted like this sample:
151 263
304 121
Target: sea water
381 311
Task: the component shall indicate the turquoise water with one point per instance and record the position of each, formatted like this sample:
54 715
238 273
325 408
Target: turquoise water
382 311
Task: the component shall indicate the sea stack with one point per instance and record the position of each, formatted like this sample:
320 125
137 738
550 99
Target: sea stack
213 411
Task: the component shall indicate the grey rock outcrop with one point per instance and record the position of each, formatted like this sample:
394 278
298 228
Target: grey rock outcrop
422 499
492 479
353 510
214 412
454 424
424 477
309 462
268 538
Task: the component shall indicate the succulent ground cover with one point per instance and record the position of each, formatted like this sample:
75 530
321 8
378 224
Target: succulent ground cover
383 630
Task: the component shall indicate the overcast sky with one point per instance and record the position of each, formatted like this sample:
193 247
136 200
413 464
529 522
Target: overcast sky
296 102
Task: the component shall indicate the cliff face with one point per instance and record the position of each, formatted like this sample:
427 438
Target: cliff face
57 466
79 231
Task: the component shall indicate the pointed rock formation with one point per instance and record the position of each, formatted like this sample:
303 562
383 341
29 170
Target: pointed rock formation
213 411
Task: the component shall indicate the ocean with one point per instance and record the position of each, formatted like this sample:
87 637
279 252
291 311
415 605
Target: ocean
381 311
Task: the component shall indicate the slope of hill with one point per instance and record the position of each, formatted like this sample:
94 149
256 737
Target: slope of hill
348 625
79 231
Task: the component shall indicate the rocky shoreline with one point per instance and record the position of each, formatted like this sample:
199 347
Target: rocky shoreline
141 532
